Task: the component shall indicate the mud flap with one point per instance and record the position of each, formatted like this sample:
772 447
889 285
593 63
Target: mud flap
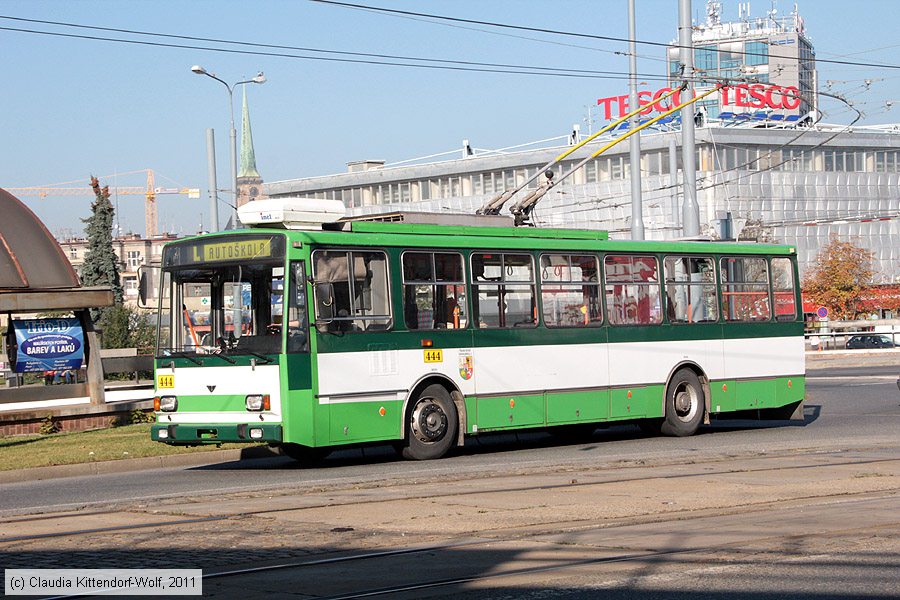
460 403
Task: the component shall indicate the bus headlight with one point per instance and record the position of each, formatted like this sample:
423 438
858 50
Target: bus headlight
257 402
167 404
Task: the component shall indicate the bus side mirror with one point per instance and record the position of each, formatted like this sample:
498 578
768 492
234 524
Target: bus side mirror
324 303
145 279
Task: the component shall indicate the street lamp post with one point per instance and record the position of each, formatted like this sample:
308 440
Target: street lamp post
260 78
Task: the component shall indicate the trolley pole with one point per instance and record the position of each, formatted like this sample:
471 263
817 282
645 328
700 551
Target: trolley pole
637 209
690 209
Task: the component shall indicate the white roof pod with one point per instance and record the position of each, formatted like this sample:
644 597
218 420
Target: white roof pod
291 213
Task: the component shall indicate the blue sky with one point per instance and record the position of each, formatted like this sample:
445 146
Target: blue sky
72 107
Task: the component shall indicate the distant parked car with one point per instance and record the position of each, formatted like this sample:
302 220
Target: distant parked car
869 341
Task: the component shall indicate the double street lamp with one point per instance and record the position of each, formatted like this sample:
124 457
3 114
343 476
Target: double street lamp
260 78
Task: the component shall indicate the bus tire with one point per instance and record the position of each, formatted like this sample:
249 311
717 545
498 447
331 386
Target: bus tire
431 424
305 455
685 405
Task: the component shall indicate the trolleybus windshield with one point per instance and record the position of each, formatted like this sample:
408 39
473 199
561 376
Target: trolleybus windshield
223 295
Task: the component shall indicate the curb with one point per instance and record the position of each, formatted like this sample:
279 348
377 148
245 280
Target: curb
127 465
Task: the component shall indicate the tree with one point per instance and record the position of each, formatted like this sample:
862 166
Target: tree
101 266
126 327
837 279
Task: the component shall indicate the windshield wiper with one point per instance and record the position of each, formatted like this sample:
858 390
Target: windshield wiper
223 357
259 356
182 355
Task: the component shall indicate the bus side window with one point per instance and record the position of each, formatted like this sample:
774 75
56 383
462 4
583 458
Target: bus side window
783 288
745 288
503 290
570 290
434 291
632 290
359 298
690 289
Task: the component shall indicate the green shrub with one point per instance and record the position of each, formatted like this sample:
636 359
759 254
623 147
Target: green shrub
49 426
139 416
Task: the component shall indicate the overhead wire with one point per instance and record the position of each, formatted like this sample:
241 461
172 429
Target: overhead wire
295 48
524 70
394 11
453 66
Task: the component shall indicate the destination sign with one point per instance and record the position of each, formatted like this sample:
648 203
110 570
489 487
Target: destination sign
236 250
225 250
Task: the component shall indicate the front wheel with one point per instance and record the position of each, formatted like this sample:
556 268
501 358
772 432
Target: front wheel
431 425
685 403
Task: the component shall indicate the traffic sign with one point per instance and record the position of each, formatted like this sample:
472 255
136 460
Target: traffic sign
822 312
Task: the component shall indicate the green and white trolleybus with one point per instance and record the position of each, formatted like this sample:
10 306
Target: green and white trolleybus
311 335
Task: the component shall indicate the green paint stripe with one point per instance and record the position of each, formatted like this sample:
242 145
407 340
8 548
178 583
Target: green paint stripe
542 336
212 404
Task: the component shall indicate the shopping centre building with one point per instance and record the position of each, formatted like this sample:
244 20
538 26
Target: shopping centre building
768 168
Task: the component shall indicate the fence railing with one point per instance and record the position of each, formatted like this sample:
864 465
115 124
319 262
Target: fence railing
834 335
111 365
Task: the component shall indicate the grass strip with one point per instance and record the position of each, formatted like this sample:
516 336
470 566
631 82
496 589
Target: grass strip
115 443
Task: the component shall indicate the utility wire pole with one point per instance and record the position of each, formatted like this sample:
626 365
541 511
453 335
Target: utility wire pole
637 209
690 209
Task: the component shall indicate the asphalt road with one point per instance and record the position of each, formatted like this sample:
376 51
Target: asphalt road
854 407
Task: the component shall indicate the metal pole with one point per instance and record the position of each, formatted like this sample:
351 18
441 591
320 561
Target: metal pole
673 182
637 209
233 148
211 173
690 210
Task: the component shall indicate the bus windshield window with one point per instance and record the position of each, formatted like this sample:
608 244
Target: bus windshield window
783 286
570 290
360 293
503 286
433 290
632 290
691 289
745 289
223 308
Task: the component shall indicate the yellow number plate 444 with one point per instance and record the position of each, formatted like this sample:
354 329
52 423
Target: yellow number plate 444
165 381
434 356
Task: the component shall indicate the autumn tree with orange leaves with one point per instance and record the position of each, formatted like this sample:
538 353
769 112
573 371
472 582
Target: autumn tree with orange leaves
841 273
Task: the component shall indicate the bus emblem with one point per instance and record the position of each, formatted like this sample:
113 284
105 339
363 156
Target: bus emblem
465 364
211 388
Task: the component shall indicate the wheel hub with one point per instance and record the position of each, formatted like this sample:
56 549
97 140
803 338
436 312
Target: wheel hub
429 422
686 402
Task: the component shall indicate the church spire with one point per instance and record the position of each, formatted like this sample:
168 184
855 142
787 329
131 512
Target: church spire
248 156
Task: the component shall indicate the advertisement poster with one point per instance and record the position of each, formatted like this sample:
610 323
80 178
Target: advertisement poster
48 344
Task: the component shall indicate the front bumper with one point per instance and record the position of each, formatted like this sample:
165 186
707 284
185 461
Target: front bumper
215 433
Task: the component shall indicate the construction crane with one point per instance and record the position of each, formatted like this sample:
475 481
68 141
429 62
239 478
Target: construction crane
150 193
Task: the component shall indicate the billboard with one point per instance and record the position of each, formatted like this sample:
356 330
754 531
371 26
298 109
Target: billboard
48 344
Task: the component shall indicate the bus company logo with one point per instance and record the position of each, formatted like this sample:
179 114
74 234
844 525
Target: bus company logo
466 365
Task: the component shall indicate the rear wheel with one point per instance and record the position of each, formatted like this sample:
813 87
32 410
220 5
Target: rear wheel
431 425
685 403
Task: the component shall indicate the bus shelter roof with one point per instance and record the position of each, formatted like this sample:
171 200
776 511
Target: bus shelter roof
34 272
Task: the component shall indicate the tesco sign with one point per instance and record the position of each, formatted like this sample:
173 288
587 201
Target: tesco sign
755 95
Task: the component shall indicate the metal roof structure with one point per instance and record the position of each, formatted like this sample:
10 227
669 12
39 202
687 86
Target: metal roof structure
34 272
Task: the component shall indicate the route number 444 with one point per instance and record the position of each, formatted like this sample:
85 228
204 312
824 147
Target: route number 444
434 356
